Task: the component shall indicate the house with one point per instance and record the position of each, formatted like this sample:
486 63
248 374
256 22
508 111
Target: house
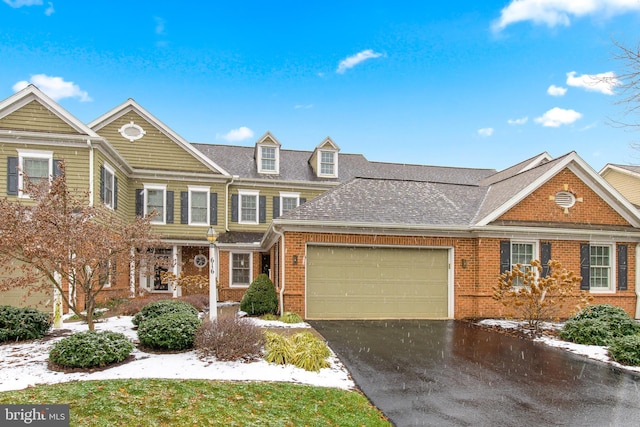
625 179
340 236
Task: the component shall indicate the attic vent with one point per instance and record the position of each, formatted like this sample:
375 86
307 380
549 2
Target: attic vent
565 199
131 131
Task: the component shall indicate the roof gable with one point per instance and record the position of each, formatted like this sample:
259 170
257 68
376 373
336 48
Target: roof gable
30 110
154 139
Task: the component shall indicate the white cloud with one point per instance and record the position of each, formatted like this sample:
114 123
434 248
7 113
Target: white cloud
519 121
235 135
558 116
603 82
49 10
55 87
558 12
485 132
554 90
356 59
19 3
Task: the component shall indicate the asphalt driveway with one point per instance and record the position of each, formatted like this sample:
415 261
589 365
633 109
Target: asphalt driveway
449 373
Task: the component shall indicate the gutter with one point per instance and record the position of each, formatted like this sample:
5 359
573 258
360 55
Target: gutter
637 316
282 262
226 201
91 179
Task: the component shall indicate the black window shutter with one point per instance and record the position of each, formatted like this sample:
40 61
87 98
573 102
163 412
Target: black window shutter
545 256
262 208
56 168
115 192
169 207
213 209
622 267
585 266
276 207
12 175
102 179
505 256
302 200
184 207
140 202
234 208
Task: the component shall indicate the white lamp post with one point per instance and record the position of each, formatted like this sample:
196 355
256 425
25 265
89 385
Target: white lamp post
212 236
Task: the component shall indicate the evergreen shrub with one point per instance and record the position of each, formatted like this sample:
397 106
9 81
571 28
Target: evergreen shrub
626 350
260 298
162 307
599 325
172 331
18 324
91 349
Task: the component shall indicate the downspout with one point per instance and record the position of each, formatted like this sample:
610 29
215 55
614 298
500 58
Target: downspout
91 180
282 270
226 201
637 285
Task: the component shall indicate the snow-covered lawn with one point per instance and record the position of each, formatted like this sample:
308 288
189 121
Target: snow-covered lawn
594 352
25 364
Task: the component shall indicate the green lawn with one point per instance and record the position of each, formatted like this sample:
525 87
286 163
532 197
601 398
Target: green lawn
152 402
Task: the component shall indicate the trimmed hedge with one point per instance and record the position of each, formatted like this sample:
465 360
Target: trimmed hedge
18 324
173 331
91 349
162 307
260 298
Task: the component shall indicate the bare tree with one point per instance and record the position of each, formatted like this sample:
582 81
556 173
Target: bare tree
55 240
628 85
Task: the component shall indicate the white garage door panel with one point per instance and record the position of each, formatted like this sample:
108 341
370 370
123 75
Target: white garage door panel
375 283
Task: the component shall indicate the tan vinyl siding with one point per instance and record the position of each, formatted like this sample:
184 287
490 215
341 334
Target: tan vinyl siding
35 117
627 185
178 230
125 209
154 150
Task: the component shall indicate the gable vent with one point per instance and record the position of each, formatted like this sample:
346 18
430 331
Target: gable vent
565 199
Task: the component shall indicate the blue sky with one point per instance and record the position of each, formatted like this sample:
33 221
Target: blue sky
460 83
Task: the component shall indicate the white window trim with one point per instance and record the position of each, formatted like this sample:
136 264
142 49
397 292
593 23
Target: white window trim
285 195
335 164
277 160
31 154
248 193
231 254
536 254
162 187
199 189
110 170
613 257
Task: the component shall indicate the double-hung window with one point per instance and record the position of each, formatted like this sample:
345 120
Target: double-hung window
241 269
155 201
36 165
600 267
198 205
108 186
248 206
327 163
522 253
288 201
268 160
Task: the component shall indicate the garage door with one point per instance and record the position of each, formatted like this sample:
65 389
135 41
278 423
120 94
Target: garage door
376 283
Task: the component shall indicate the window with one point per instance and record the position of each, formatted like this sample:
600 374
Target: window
522 253
600 267
248 207
198 205
268 160
288 201
327 163
36 165
155 201
241 269
108 186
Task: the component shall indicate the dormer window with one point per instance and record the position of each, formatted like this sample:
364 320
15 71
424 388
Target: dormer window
327 163
267 154
268 159
324 160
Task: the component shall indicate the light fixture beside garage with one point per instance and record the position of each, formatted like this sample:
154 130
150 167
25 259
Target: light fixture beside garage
464 263
295 260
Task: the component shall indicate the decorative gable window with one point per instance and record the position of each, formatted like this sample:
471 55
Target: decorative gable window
108 186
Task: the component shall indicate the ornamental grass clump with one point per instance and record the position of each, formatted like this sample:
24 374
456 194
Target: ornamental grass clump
229 338
91 349
260 298
289 317
303 350
18 324
599 325
172 332
162 307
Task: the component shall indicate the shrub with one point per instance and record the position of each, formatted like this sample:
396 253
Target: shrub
289 317
91 349
269 316
17 324
229 338
303 350
162 307
626 350
260 298
173 331
599 325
